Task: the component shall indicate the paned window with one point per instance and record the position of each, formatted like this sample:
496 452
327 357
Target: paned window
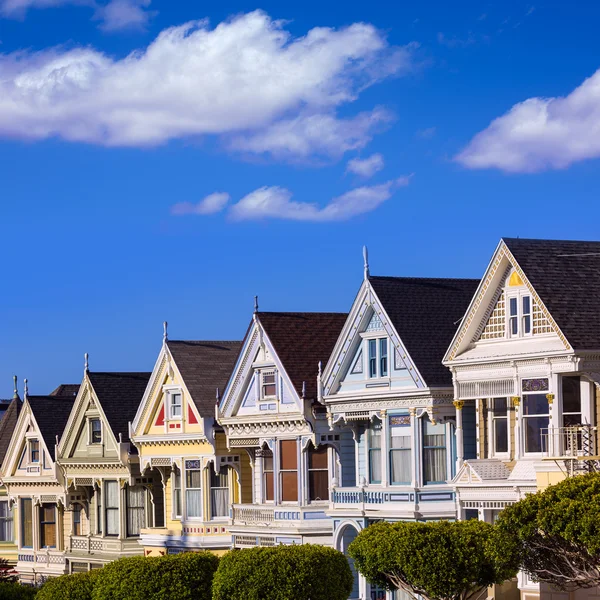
372 358
6 522
135 510
526 314
434 452
268 474
175 404
76 519
375 452
193 488
383 357
219 493
500 425
111 507
48 526
34 451
400 449
571 397
288 475
99 514
318 474
177 492
269 386
536 419
519 315
95 431
26 523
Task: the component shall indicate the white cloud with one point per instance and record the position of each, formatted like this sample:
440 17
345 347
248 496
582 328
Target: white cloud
211 204
276 203
246 79
540 133
124 14
366 167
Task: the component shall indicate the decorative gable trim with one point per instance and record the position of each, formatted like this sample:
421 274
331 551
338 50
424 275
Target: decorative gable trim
144 412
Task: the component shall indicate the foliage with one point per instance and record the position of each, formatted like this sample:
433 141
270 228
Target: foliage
7 572
78 586
15 591
438 560
185 576
558 532
303 572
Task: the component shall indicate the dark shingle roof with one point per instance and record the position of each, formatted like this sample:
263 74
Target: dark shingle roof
8 424
301 340
66 389
120 395
204 366
566 275
51 414
426 313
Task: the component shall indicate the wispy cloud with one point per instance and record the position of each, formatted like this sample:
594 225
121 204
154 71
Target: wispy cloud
247 80
277 203
427 133
540 133
211 204
455 42
366 167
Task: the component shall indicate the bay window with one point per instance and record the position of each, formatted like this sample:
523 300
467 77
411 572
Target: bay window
76 514
136 497
219 493
400 449
48 526
193 489
111 507
26 523
499 415
6 522
177 492
536 418
375 452
318 474
99 513
434 452
268 475
288 472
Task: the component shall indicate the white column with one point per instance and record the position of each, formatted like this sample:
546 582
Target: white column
275 472
460 450
416 446
384 448
516 402
588 397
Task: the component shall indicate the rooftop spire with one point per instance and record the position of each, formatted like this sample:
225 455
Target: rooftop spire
218 396
86 362
366 261
165 331
255 304
25 389
15 387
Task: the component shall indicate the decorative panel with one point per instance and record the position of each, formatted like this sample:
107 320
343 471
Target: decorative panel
540 322
496 325
486 389
375 323
534 385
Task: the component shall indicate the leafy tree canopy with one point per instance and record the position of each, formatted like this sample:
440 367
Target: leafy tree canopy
439 560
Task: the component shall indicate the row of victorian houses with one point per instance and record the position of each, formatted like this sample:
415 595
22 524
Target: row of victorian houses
430 399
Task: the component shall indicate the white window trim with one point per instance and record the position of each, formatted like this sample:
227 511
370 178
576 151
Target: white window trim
492 431
184 488
518 294
89 428
377 336
174 515
523 418
168 391
268 371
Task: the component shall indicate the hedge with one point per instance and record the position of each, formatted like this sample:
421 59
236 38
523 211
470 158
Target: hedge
15 591
306 572
186 576
78 586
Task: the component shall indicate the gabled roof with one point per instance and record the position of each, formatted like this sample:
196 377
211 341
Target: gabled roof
301 341
204 366
120 395
566 276
425 313
51 414
66 389
8 424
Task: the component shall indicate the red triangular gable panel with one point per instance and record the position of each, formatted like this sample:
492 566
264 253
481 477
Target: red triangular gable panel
161 417
191 416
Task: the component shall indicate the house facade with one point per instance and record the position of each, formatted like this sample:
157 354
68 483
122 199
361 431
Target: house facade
270 413
196 477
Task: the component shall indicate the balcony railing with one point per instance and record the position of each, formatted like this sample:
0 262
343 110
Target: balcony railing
83 544
277 516
354 496
578 442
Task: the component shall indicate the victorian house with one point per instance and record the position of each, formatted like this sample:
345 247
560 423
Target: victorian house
525 363
385 383
272 416
182 450
35 485
106 500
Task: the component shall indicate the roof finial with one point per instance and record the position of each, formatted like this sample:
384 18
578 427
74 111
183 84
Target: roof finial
366 261
218 396
86 364
16 389
255 304
303 390
25 389
165 331
320 368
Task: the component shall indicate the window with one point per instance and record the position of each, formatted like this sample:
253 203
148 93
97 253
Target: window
193 489
76 519
571 395
375 452
135 510
519 315
526 314
318 474
499 415
372 358
383 357
535 420
6 522
434 452
95 431
111 507
219 493
26 523
288 476
269 387
400 449
177 492
268 482
99 510
175 407
48 526
34 451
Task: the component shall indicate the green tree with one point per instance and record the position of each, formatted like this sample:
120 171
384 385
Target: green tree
558 532
438 560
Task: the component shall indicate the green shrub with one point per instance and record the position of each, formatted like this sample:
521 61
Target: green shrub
185 576
283 573
15 591
78 586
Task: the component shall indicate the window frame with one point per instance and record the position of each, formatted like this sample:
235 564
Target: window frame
91 430
176 491
268 373
42 511
224 471
128 508
107 508
322 449
445 447
267 453
7 522
76 510
392 451
371 451
524 418
283 471
188 470
22 514
493 433
170 396
518 296
32 460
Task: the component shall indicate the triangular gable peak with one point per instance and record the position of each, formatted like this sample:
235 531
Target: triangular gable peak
351 368
167 409
466 475
505 308
259 386
88 433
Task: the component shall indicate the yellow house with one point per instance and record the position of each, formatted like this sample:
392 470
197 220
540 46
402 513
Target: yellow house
183 450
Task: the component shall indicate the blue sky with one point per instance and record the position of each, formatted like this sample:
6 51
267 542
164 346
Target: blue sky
154 170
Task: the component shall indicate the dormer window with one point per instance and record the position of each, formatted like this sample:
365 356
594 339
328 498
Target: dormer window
175 405
95 431
519 315
378 357
34 451
269 386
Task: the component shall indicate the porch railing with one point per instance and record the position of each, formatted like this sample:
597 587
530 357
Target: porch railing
244 514
579 442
